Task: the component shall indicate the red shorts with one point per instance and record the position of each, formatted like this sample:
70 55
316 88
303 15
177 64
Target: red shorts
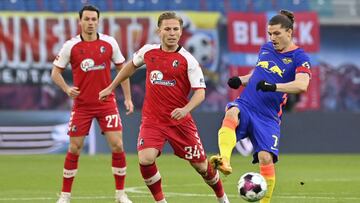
183 138
80 120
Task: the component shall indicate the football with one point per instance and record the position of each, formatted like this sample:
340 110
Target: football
252 187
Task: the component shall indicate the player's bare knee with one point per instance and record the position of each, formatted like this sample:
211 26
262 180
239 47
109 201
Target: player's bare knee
75 148
265 158
232 113
117 147
146 160
201 167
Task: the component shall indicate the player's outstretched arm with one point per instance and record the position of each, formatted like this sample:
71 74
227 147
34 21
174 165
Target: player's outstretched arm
245 78
299 85
236 81
195 100
125 85
56 76
125 72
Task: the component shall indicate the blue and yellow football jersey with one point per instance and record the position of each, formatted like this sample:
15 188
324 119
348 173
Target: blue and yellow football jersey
273 67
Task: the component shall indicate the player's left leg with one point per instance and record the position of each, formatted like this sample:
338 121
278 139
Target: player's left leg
211 177
114 139
267 170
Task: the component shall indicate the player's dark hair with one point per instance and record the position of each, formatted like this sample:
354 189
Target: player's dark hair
284 18
89 8
169 15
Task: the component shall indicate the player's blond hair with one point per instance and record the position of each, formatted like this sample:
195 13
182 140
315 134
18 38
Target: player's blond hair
169 15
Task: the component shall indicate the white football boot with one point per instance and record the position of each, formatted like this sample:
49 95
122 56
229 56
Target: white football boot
64 197
121 197
223 199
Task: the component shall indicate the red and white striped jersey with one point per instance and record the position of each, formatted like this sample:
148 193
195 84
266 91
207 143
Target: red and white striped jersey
90 64
169 78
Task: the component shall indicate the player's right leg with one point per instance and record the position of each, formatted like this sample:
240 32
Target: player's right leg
70 167
150 173
150 142
227 141
79 126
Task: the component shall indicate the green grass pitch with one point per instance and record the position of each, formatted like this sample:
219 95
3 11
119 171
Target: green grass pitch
37 178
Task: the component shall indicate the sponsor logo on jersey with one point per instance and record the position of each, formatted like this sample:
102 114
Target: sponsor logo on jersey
102 49
156 78
271 67
175 63
89 65
287 60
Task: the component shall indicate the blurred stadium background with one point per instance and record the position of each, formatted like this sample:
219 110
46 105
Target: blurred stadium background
224 35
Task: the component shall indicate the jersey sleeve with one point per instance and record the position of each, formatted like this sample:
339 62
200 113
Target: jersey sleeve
302 63
138 57
117 57
195 74
63 58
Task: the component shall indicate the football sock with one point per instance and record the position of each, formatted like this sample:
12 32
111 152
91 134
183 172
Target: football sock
69 172
227 137
119 169
213 180
152 180
268 172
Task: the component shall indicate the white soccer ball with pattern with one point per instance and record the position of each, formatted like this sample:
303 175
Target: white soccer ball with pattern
252 187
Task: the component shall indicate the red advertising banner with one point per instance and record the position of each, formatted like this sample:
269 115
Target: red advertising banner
248 31
311 99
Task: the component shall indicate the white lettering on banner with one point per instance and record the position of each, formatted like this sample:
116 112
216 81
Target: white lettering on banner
305 32
22 76
240 32
255 39
29 42
242 35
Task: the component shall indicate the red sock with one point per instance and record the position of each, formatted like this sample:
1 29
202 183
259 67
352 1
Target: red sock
119 169
213 180
152 180
70 169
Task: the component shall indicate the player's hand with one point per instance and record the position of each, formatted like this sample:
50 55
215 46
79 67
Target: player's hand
104 93
234 82
73 92
129 106
179 113
265 87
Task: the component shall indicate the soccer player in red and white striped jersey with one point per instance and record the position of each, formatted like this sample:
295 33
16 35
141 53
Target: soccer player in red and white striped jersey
171 73
90 55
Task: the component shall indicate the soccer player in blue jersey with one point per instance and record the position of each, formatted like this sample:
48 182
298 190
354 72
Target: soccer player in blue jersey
282 68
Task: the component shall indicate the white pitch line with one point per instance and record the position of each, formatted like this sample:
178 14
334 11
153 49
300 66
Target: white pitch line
142 191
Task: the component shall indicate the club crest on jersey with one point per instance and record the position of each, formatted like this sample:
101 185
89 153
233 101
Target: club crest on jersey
287 60
102 49
89 65
156 78
175 63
